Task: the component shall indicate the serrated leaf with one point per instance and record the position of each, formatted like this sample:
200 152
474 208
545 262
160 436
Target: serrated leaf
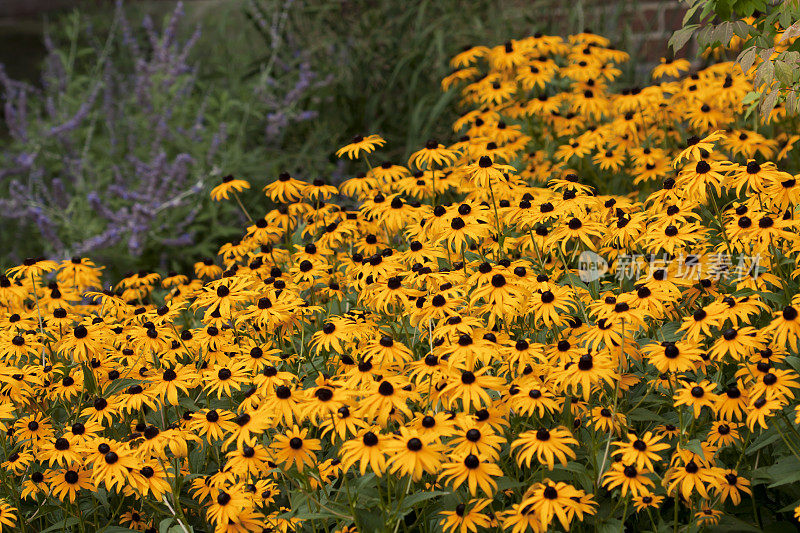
747 58
783 72
706 36
708 9
791 32
741 29
725 33
682 36
785 18
690 13
791 102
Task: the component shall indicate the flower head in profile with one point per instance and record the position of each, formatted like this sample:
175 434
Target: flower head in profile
359 144
229 185
32 267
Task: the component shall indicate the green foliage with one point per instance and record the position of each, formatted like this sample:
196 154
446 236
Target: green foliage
387 60
767 32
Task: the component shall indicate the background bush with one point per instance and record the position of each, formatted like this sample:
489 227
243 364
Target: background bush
139 110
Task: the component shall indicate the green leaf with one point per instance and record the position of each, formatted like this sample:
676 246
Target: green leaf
794 362
784 472
746 59
707 36
723 9
772 297
695 447
769 102
725 33
682 36
790 507
765 439
640 413
731 523
791 32
412 500
741 29
784 72
611 526
690 13
62 525
791 102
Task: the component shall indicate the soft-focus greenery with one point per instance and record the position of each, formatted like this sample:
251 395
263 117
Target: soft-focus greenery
763 33
376 67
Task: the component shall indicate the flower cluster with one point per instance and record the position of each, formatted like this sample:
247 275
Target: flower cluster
415 348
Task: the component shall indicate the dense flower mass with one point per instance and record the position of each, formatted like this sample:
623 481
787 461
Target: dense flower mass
583 313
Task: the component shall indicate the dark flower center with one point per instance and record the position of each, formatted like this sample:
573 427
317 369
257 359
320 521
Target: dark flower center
223 498
472 462
586 362
702 167
385 388
414 444
473 435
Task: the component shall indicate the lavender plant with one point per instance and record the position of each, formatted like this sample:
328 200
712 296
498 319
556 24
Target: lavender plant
114 151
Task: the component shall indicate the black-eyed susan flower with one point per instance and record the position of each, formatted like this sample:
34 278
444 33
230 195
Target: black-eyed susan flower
229 185
295 448
360 143
472 471
546 445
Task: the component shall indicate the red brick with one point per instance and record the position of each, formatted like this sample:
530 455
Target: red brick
673 18
645 21
652 49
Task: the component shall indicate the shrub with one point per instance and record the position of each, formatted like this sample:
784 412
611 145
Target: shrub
582 314
115 151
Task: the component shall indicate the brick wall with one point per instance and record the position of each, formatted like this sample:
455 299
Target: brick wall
641 27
